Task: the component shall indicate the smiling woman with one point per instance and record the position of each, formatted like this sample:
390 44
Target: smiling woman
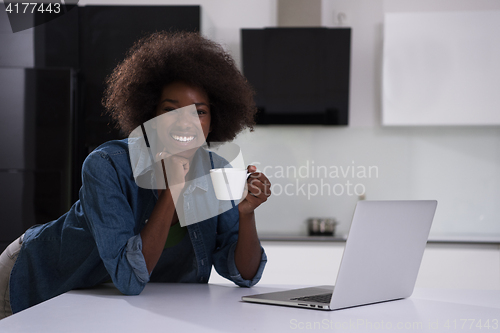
118 231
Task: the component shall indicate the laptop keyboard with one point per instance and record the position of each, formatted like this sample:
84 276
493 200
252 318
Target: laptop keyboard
323 298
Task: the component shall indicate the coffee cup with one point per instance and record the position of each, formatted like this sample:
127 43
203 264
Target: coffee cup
229 183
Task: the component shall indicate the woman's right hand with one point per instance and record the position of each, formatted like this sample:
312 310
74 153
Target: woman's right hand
173 170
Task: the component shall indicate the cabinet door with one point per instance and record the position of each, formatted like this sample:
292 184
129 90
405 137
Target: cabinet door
441 68
36 145
460 266
298 263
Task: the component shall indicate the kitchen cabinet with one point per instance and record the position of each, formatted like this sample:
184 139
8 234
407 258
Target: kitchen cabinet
441 68
444 265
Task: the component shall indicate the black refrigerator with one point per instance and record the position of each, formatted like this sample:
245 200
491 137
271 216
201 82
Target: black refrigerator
36 144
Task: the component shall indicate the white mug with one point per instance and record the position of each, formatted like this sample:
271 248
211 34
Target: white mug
229 183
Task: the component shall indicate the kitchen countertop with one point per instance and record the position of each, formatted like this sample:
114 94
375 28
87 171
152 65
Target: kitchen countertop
437 239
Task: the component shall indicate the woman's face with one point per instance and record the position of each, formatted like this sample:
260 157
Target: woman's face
183 131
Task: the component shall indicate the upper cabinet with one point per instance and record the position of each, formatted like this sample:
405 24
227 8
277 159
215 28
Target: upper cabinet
441 68
300 75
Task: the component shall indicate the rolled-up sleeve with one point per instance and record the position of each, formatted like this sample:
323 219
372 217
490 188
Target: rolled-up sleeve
235 274
112 223
136 258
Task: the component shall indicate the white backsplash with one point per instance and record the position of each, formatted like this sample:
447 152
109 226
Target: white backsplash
458 166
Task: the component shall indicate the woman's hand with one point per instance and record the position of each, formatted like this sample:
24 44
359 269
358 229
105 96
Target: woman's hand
259 189
173 172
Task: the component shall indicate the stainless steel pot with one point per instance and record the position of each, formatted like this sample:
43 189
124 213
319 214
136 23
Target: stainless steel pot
321 226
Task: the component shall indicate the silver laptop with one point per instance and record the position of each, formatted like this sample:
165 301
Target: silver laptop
381 258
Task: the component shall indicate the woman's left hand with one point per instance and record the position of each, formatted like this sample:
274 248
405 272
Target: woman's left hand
259 189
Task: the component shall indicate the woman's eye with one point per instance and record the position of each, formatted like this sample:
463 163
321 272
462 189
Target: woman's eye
200 112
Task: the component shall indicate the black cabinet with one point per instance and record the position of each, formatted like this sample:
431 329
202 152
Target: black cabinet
36 135
301 75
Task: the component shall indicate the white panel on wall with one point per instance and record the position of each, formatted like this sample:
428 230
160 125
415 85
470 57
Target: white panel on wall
441 68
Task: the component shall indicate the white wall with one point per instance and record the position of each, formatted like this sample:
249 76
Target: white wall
458 166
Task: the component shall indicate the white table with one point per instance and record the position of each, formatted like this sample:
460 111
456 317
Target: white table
218 308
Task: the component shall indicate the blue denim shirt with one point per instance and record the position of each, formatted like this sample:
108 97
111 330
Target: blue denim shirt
99 237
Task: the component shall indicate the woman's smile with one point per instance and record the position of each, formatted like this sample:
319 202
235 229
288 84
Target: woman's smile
183 138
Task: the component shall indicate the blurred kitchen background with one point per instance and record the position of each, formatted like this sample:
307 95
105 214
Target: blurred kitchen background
44 140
